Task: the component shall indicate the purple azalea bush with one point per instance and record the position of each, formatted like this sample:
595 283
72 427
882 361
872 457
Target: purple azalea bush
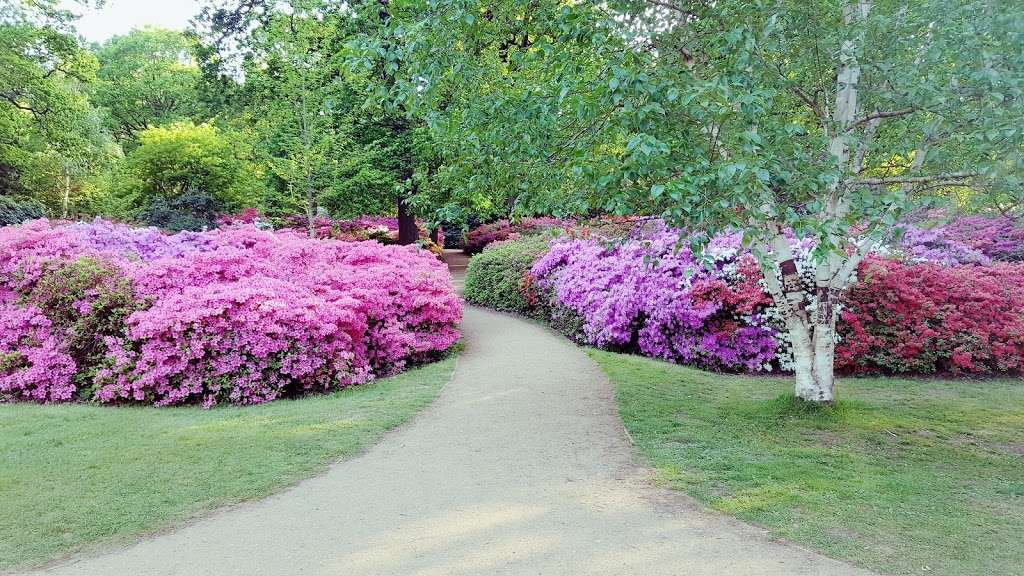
235 315
650 295
966 240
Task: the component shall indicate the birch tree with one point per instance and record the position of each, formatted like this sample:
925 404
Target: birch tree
818 121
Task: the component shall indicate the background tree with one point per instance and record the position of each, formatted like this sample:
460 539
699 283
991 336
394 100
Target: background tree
294 96
147 77
50 135
326 139
209 168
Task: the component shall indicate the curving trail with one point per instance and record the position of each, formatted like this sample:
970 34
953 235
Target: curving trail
521 467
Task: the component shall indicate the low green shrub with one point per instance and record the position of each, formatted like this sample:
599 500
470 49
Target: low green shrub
497 277
17 210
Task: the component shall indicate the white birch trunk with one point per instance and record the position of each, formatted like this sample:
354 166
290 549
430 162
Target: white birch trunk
813 335
66 197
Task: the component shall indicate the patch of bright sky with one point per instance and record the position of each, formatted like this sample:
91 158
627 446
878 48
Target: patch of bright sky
118 17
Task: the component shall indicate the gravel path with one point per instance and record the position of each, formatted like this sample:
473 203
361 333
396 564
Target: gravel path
521 467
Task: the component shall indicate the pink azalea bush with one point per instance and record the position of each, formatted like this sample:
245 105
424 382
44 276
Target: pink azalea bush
925 317
234 315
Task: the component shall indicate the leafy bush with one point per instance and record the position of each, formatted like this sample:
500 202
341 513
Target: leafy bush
926 317
172 160
193 210
236 315
499 276
15 211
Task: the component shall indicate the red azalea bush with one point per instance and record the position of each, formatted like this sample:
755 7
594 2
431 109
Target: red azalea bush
118 314
926 317
478 238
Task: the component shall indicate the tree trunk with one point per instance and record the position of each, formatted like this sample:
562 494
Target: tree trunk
813 361
66 199
407 231
435 235
310 206
811 336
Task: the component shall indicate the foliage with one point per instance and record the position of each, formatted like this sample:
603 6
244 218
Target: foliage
810 117
145 78
478 238
926 317
17 210
901 475
173 160
125 466
51 135
234 315
194 209
324 141
496 278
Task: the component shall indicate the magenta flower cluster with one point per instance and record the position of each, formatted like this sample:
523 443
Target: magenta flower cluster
234 315
649 295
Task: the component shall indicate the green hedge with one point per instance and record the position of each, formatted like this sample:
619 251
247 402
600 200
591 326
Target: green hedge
495 276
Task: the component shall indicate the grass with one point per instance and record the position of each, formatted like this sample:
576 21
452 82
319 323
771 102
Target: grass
901 476
75 476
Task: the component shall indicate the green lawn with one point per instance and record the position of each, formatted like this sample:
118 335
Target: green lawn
77 475
902 476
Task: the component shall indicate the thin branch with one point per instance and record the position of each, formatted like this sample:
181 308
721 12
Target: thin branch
865 143
882 115
952 177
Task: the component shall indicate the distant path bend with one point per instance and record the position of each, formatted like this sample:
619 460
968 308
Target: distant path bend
521 467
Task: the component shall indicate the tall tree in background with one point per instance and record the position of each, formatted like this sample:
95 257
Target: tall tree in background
377 60
828 121
50 134
147 77
317 119
294 88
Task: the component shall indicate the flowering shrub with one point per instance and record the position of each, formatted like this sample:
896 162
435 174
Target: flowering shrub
238 315
927 317
967 240
384 229
33 363
246 216
649 295
478 238
642 295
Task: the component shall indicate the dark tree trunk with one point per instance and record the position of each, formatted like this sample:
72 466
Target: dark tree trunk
435 235
407 231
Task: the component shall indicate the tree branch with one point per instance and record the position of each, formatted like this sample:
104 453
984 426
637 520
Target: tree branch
951 177
882 115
